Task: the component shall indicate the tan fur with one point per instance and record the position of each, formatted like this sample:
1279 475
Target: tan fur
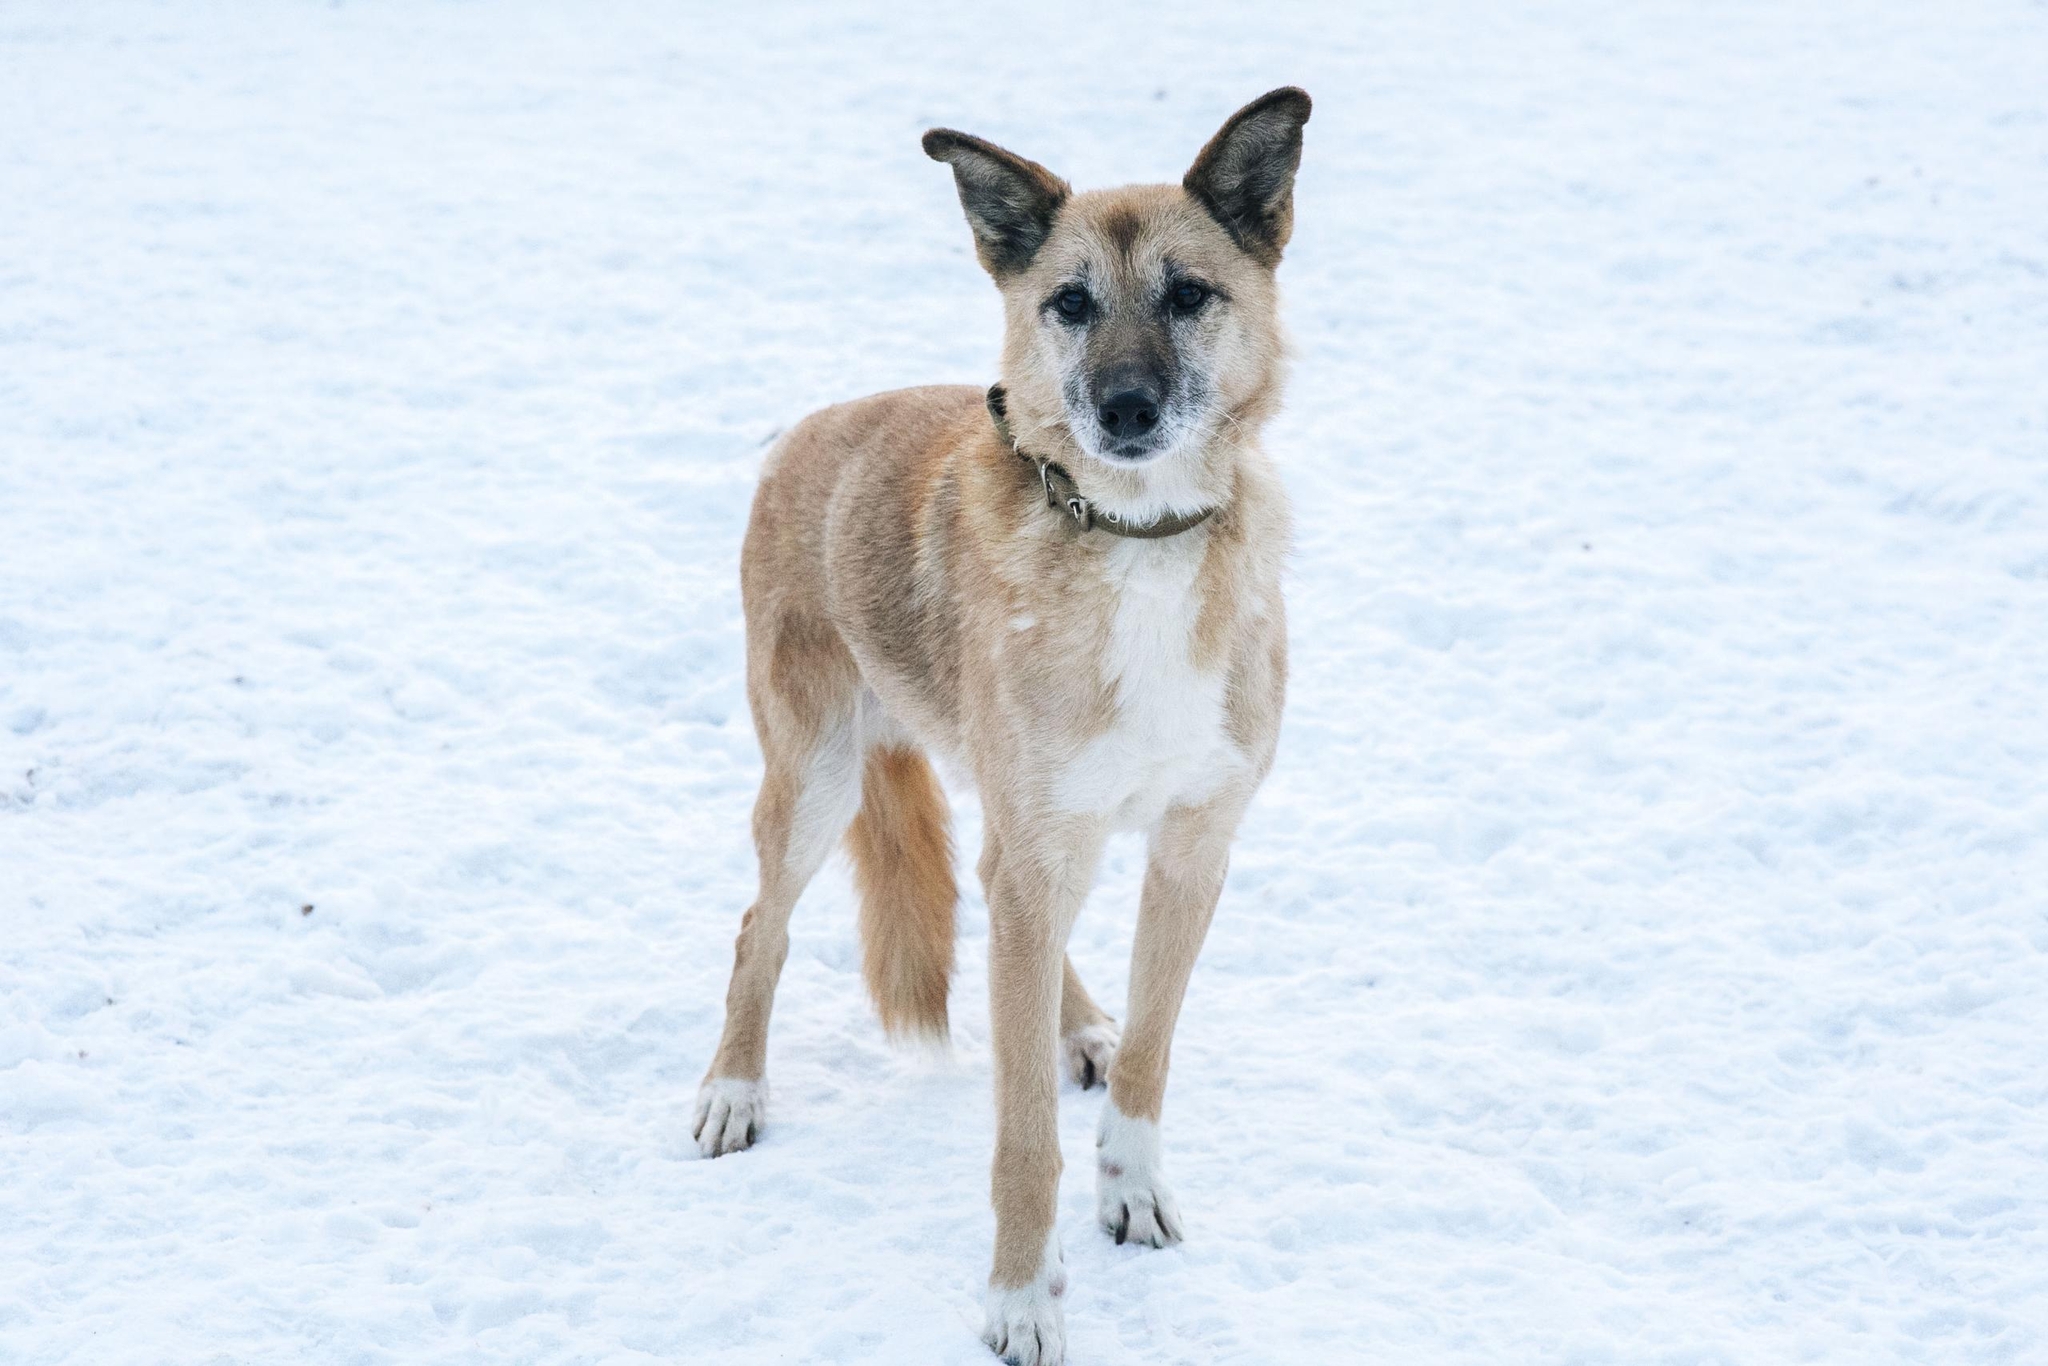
907 590
903 863
1077 1008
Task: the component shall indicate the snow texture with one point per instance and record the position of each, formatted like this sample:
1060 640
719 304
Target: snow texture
1637 955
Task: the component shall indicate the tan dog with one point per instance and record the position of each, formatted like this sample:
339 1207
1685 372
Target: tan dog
1069 590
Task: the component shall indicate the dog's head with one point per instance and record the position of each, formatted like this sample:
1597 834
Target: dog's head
1140 321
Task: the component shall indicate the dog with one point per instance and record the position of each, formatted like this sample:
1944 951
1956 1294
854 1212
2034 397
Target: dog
1067 588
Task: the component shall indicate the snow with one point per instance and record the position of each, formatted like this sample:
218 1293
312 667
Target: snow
1637 954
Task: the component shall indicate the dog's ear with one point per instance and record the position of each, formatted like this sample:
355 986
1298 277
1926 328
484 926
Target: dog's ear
1010 202
1245 176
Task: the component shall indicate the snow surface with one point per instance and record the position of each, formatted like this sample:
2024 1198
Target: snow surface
1637 955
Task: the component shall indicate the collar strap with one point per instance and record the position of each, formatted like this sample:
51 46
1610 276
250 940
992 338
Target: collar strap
1063 495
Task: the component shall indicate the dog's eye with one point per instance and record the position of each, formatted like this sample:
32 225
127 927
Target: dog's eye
1072 304
1188 296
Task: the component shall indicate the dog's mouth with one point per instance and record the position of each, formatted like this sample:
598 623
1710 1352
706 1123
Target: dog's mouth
1139 448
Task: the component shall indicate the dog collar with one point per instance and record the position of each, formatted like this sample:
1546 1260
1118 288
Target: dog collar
1063 495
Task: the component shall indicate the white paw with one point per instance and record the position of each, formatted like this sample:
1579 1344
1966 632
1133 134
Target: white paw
1131 1196
1026 1326
730 1115
1088 1052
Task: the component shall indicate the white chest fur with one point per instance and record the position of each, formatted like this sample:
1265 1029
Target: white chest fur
1167 745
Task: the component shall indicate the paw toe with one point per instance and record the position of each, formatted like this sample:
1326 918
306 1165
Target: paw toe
1026 1326
1148 1225
729 1116
1089 1051
1146 1217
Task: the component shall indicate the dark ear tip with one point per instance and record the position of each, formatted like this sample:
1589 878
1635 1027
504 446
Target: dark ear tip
939 141
1291 98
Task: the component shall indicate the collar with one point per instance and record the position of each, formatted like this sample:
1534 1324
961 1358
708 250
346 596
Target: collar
1063 495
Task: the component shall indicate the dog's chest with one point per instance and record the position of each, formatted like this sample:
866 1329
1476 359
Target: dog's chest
1166 743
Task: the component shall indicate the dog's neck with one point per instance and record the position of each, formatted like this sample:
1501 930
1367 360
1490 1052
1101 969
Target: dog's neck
1063 493
1158 499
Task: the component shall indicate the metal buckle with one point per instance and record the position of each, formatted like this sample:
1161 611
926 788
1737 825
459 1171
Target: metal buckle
1074 505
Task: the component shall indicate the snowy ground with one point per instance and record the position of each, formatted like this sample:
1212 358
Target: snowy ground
1637 955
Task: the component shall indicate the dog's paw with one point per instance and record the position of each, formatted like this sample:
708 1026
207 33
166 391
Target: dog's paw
1131 1196
1141 1212
1026 1326
1089 1051
730 1115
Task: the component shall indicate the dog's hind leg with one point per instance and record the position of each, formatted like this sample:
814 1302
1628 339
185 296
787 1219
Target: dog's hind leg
1088 1037
805 691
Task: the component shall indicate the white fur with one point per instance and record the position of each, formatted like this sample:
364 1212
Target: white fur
1168 745
1144 491
832 789
730 1115
1131 1195
830 796
1026 1325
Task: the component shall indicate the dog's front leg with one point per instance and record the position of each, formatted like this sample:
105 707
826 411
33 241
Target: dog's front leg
1036 873
1183 880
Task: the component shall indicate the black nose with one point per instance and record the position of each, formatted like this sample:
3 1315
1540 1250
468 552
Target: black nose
1130 413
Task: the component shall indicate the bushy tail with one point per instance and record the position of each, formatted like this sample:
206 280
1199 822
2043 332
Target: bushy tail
903 863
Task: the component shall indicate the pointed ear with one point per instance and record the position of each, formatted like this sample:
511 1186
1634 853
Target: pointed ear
1010 202
1245 176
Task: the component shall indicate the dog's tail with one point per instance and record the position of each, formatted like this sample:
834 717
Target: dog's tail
903 862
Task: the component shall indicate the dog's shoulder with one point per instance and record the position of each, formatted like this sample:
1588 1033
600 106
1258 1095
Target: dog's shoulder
859 465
